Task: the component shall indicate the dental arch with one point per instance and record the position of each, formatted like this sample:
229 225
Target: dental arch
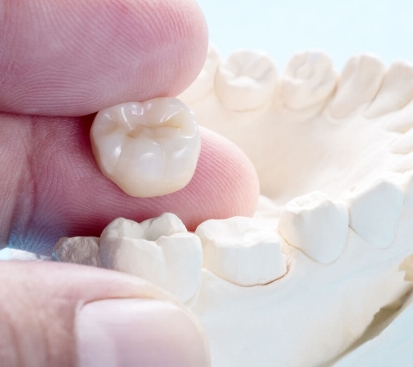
320 301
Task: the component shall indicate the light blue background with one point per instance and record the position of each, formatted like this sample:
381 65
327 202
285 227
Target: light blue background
341 28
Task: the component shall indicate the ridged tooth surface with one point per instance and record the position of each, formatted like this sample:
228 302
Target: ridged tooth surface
403 163
359 82
246 80
204 83
240 251
147 149
396 91
78 250
375 212
309 79
316 225
155 251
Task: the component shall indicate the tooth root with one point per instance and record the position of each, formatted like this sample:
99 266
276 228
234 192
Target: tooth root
171 261
204 83
309 79
316 225
78 250
240 251
246 81
147 149
359 83
396 91
375 212
404 144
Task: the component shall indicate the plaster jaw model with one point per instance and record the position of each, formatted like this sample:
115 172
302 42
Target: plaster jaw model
148 149
334 157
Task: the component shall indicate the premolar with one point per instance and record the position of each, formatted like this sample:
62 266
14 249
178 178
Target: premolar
246 81
147 149
241 251
309 79
159 250
316 225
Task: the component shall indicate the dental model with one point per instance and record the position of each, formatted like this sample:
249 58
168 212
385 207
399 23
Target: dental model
147 149
322 276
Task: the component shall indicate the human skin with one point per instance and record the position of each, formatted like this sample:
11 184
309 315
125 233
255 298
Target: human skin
60 62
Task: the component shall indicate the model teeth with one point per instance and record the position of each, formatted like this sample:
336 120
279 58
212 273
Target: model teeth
147 149
316 225
78 250
241 251
246 80
168 259
375 212
308 79
396 91
359 83
204 83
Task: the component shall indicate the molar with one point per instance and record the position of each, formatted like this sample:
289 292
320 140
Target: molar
375 212
396 91
246 80
241 251
147 149
204 83
308 79
316 225
156 252
359 83
78 250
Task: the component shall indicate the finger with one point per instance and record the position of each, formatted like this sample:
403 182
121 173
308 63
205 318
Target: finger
47 319
75 57
56 189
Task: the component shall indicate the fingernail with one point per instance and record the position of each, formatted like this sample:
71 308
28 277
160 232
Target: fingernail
138 332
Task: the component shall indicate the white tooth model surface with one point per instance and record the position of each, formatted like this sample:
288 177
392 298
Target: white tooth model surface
334 154
149 148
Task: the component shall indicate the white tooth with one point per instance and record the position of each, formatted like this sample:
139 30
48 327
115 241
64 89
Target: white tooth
147 149
246 80
204 83
396 91
78 250
375 212
316 225
13 254
359 83
241 251
166 258
309 79
404 144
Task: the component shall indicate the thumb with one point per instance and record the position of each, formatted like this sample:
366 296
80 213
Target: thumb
70 315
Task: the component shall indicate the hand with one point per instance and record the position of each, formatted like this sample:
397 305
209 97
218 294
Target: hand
60 62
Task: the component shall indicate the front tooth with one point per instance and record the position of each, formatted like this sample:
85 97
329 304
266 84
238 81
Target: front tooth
316 225
169 259
246 80
241 251
204 83
396 91
359 83
309 79
147 149
375 212
78 250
